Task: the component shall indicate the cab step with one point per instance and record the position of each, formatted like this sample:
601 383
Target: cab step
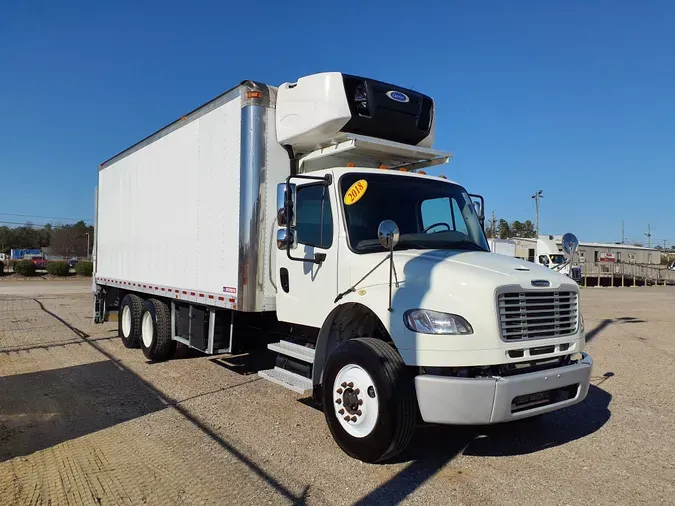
287 379
293 350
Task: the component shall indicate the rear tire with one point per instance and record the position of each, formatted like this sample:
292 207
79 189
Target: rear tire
129 320
367 380
156 341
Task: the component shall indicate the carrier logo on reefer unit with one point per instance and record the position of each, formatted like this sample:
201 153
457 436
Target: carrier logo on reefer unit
398 96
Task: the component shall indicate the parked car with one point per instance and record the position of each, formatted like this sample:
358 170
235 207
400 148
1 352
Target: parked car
72 262
40 262
671 266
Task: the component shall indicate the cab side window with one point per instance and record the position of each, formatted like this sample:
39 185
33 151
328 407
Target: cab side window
314 219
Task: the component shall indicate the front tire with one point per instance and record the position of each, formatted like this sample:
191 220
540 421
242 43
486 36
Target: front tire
129 320
156 341
369 400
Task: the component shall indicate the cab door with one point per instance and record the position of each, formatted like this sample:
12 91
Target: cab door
307 272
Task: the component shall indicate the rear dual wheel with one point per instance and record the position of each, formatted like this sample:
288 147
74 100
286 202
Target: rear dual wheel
146 324
129 320
156 341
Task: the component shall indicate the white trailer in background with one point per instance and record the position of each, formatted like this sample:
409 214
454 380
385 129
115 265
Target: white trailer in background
503 247
304 211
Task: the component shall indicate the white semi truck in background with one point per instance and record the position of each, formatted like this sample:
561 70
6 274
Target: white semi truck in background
549 255
304 210
546 253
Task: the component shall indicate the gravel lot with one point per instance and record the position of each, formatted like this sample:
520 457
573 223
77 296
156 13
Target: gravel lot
85 421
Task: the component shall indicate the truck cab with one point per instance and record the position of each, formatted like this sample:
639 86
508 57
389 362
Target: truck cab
414 311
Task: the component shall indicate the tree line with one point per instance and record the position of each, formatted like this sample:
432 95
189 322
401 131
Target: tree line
63 240
502 229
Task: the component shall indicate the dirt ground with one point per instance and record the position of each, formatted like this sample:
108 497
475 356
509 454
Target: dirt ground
85 421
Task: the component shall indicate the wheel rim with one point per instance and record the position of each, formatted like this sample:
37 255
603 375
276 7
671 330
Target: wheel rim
147 328
126 321
355 401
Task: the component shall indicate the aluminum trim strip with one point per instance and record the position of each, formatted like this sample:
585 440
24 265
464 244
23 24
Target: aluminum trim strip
182 294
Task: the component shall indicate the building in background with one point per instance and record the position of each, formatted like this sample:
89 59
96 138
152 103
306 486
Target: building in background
594 252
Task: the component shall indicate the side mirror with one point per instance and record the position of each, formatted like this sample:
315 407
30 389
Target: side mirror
286 239
570 244
286 204
476 206
388 234
479 207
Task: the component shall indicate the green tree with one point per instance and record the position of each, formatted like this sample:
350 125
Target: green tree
503 229
528 229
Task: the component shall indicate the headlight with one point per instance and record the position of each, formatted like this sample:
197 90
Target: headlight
426 321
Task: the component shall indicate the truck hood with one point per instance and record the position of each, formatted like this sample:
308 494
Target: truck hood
465 283
442 269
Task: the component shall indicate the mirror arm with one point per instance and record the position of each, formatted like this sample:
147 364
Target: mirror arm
318 257
327 179
353 287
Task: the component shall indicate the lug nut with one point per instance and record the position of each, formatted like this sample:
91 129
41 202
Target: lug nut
339 390
338 401
359 413
350 384
347 418
353 418
344 384
360 402
342 411
357 391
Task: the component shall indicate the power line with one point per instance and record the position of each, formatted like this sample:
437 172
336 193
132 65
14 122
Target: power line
44 217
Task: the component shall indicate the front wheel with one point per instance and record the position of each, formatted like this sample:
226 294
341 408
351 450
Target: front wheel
369 400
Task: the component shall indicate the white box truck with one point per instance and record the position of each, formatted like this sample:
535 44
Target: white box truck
305 209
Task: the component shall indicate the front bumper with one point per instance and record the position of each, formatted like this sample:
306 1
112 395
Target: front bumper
478 401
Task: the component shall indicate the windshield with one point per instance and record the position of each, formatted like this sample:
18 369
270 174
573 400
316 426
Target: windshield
557 259
430 214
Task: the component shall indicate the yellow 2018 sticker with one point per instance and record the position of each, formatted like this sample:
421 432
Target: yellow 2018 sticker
355 192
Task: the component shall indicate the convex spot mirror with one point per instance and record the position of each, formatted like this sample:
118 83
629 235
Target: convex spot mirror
388 234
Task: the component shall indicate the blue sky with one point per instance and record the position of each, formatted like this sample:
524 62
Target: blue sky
575 98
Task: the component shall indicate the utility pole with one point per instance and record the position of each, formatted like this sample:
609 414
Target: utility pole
664 243
649 236
492 224
623 237
87 234
536 198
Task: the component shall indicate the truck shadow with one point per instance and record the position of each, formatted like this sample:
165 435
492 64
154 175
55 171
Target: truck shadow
592 334
99 410
42 409
433 446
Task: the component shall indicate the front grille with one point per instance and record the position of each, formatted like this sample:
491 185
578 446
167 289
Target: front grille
537 315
